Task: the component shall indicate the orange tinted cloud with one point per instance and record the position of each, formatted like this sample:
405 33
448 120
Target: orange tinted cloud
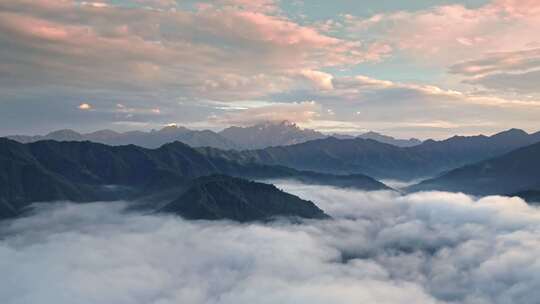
85 106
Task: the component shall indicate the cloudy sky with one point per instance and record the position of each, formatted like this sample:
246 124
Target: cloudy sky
423 68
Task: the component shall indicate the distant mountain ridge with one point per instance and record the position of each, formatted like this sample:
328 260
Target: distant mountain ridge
390 140
151 140
259 136
270 134
367 156
328 154
285 133
515 173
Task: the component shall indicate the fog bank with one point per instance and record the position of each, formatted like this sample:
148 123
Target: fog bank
381 247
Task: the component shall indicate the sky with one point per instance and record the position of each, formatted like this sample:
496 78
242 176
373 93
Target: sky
419 68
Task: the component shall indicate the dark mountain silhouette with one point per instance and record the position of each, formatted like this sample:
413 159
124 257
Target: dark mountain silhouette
224 197
329 155
517 172
86 171
366 156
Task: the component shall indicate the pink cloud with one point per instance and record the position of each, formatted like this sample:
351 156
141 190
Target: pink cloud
240 49
518 8
454 32
284 42
493 47
506 72
320 80
497 62
34 27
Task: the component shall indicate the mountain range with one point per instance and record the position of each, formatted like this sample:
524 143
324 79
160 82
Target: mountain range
515 173
390 140
270 134
153 139
259 136
380 160
86 171
165 178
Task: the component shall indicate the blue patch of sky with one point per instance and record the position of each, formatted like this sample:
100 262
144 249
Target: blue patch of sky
395 67
324 9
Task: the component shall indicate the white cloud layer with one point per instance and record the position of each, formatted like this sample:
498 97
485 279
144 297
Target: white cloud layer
380 248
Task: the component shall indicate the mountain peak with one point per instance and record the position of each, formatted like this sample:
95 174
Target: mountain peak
224 197
270 133
63 132
173 128
104 132
288 123
64 135
511 132
271 124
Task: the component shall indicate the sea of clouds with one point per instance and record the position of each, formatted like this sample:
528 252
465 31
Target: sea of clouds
380 247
